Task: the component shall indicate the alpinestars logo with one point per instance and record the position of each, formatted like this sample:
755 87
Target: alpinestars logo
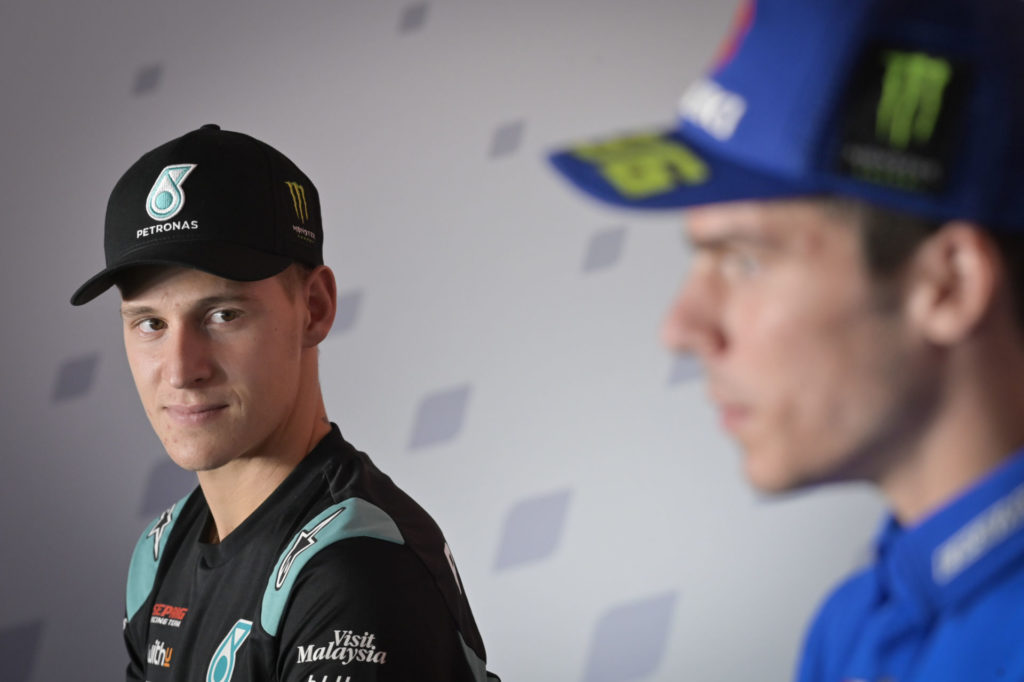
303 541
346 647
159 654
166 197
157 532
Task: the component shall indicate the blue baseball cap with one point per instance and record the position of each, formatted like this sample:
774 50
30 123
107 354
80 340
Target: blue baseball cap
917 105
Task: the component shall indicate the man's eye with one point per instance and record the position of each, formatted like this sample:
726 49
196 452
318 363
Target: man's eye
150 325
741 263
221 316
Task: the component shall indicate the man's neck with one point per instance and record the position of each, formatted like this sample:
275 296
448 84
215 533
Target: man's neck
977 425
234 491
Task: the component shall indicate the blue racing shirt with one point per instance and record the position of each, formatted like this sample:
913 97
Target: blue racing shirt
943 601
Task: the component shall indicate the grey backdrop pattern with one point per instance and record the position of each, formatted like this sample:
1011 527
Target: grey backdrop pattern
496 346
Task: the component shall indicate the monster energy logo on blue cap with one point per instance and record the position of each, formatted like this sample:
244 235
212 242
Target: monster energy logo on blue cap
911 99
903 114
166 197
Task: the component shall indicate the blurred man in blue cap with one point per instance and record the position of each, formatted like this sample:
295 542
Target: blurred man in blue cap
854 177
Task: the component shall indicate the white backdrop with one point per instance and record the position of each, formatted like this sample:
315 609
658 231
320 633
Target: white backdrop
496 350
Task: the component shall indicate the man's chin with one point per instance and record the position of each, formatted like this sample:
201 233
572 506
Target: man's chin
195 458
767 476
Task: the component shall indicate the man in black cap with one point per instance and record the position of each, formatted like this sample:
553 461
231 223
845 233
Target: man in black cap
853 174
295 559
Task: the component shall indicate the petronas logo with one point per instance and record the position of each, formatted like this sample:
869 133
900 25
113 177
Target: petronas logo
222 665
166 198
912 94
298 193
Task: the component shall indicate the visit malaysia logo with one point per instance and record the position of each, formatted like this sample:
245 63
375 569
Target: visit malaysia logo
346 647
166 198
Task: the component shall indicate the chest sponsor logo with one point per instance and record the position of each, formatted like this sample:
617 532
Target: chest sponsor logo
159 654
222 665
346 647
165 614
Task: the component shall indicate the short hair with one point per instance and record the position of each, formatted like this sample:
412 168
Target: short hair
294 277
890 237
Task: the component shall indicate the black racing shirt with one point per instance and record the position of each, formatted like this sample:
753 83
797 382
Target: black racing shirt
339 576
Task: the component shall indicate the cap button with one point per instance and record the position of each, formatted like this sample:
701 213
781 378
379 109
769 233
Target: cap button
210 126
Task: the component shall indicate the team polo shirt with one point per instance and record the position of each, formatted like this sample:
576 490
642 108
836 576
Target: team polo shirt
338 576
943 601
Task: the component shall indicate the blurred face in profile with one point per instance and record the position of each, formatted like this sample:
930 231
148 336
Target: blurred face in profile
812 375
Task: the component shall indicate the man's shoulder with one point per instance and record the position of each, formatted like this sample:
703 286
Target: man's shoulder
150 550
838 621
350 518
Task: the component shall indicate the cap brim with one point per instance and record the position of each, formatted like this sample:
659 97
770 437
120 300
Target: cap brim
659 170
229 261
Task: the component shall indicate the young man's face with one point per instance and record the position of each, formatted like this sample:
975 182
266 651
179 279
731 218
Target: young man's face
216 362
814 379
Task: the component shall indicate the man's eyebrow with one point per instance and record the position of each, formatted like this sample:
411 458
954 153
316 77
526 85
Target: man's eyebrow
719 242
129 310
135 310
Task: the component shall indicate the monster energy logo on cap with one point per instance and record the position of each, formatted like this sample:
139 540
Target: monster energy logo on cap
911 97
900 120
298 193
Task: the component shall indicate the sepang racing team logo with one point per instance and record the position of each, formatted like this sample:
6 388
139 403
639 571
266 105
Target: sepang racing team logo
222 665
346 647
166 197
165 614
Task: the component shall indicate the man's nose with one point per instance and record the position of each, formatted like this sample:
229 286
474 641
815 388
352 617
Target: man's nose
692 324
187 363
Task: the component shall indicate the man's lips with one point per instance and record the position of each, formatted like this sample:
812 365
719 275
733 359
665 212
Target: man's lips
733 415
732 412
194 414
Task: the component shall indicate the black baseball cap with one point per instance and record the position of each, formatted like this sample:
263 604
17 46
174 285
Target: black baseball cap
214 200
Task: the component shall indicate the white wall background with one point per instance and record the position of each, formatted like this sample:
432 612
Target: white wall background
496 351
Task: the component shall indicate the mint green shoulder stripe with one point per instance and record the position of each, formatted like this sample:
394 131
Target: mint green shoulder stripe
476 664
351 518
146 557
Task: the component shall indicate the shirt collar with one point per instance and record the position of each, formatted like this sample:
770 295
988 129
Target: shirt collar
946 558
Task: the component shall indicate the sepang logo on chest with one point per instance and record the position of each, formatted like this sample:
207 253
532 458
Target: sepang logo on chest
165 614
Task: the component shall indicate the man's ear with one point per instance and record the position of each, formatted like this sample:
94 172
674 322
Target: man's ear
320 294
952 282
